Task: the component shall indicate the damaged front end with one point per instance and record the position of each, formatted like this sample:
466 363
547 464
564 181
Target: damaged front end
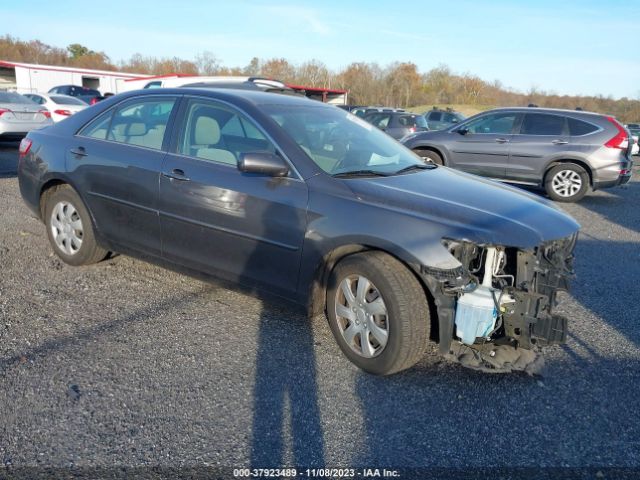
495 309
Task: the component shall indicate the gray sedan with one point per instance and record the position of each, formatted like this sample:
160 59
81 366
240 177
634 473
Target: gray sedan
19 116
306 201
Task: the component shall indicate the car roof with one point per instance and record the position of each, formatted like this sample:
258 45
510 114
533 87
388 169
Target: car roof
544 110
254 97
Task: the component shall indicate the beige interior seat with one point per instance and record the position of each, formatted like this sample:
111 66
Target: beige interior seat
206 136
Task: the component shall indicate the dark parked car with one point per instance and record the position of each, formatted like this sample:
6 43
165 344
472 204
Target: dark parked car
364 111
397 124
304 200
439 119
87 95
565 151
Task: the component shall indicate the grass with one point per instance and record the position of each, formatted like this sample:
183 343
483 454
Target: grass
466 110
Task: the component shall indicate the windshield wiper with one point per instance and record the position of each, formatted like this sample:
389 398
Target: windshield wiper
360 173
418 166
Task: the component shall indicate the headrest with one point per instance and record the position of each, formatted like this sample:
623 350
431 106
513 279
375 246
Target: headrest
207 131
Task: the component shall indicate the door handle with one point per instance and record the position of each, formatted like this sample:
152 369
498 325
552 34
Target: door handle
79 152
176 174
502 140
560 142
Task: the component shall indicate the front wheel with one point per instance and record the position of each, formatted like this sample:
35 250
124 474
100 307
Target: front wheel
567 182
70 229
378 313
429 156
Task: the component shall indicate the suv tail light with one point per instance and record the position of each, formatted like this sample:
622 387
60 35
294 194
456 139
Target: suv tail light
46 113
93 101
621 140
25 146
63 112
4 110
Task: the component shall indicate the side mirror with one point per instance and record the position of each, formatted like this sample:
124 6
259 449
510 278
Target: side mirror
264 163
463 130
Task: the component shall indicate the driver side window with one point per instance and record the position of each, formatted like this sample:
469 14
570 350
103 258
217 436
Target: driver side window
219 134
495 123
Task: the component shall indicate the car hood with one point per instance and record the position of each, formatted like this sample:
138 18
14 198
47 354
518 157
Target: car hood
468 207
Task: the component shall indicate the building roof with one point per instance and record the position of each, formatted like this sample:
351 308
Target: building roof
33 66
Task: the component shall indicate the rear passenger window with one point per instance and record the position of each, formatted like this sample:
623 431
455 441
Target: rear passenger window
142 123
541 124
406 121
578 127
435 116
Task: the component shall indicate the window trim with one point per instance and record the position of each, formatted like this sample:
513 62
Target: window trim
180 121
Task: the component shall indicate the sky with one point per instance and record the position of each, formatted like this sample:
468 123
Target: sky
572 47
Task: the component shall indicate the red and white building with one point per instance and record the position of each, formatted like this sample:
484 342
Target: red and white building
32 78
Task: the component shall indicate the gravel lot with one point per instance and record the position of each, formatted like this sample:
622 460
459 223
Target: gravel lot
127 363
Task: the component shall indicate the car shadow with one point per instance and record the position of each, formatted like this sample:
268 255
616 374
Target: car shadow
286 415
8 159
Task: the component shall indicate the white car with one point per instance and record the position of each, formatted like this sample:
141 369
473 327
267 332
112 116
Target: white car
19 115
60 106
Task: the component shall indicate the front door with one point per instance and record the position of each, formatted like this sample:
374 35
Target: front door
246 227
481 146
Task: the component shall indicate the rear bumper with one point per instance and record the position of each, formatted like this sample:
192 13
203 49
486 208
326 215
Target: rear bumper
20 129
621 180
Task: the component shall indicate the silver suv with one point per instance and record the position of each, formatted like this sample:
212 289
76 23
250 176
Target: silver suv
565 151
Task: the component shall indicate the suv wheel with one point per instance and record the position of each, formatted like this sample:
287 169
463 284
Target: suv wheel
378 313
70 229
567 182
429 156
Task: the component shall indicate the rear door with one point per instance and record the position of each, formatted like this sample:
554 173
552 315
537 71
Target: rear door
117 159
541 137
481 146
214 218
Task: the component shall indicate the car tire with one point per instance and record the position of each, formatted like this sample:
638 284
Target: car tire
566 182
383 327
429 156
70 229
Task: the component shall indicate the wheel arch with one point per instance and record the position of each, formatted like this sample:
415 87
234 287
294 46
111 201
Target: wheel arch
577 161
317 297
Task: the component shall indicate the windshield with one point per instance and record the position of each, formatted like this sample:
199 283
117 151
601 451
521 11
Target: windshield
62 100
339 142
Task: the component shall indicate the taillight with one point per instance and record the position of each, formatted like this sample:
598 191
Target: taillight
621 140
46 113
412 129
62 112
25 146
4 110
93 101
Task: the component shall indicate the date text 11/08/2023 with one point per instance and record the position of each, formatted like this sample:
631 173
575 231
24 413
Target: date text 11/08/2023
315 473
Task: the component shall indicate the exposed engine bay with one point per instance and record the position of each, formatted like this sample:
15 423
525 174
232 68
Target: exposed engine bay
496 309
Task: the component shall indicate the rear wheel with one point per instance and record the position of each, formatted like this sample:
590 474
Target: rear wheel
70 229
378 313
567 182
429 156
